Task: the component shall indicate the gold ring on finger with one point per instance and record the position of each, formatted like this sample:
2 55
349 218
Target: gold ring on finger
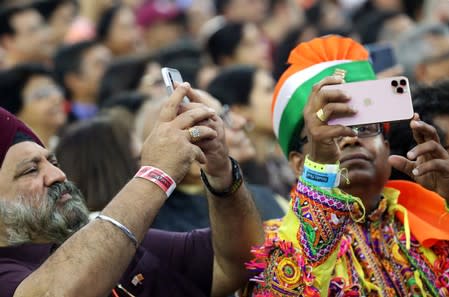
320 115
194 134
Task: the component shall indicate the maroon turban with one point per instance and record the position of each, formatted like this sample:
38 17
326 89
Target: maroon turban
13 131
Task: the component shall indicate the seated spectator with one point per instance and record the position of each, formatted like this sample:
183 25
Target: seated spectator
79 68
136 73
432 105
162 23
248 90
23 35
117 30
98 173
59 15
237 43
45 250
383 26
242 10
29 92
424 53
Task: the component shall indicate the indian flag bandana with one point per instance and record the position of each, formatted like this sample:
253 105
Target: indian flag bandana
310 62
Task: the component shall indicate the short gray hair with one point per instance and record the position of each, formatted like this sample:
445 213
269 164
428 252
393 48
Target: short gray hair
413 49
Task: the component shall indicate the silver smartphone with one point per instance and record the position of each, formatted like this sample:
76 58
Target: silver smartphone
170 76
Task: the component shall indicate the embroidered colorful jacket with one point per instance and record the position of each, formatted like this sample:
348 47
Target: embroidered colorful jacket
320 248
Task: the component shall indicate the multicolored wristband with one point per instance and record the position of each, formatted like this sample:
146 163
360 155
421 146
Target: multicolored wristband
321 175
159 177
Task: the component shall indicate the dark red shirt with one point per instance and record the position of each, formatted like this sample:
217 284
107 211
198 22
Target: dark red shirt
172 264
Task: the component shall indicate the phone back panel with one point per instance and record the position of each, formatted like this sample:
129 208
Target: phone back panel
376 101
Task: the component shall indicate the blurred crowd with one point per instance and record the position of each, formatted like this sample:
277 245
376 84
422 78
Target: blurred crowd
86 77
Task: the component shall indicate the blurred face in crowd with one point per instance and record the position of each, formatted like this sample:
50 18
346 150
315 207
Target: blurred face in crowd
162 33
260 101
123 36
152 82
60 21
42 104
435 67
31 39
93 65
240 147
253 50
247 10
394 5
37 202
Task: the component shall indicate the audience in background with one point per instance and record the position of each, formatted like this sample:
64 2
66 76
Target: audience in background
59 15
432 104
117 30
424 53
238 43
79 68
30 92
162 23
23 35
99 173
242 10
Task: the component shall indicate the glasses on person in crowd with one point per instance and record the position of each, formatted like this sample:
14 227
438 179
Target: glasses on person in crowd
227 118
44 92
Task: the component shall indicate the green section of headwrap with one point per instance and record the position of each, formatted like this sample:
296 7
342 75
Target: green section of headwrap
292 120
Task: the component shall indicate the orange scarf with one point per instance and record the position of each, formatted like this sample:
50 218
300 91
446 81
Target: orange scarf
427 212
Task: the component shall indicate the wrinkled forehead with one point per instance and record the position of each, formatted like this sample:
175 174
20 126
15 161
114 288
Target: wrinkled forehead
20 152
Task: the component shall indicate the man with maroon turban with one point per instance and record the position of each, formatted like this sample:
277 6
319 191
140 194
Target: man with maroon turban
48 248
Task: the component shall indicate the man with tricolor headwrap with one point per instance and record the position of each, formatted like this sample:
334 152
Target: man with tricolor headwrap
350 231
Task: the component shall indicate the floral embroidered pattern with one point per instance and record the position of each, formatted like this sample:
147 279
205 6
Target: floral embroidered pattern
371 258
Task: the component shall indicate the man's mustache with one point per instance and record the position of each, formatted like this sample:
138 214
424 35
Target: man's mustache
56 190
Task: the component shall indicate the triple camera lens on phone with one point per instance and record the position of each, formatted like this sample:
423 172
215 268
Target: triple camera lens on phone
399 85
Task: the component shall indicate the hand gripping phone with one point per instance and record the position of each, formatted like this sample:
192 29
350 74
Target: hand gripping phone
376 101
170 76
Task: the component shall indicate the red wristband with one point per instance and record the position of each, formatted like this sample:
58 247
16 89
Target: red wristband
159 177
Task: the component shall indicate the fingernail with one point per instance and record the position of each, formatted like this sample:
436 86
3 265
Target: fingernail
411 155
415 171
211 109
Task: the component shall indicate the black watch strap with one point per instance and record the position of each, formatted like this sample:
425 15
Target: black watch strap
237 181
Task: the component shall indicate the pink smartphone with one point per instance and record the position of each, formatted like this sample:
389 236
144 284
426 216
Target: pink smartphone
376 101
